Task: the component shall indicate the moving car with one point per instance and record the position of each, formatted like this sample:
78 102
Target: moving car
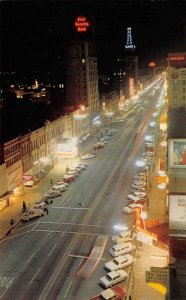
87 156
112 278
122 237
119 262
53 194
120 249
114 293
129 209
32 213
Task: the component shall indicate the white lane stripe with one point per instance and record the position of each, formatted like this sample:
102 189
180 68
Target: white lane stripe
68 207
52 250
68 289
77 224
81 256
31 257
71 232
34 276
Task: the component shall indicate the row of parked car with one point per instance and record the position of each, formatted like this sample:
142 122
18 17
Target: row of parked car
121 251
40 207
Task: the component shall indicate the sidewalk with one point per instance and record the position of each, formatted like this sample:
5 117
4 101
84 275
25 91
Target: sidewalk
147 256
33 194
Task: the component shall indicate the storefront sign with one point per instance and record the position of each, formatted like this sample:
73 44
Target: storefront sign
157 275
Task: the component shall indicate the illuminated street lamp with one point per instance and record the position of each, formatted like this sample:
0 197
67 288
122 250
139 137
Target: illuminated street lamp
120 227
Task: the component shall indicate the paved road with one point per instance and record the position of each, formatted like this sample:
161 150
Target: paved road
44 258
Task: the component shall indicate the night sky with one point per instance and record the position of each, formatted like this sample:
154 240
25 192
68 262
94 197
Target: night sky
34 34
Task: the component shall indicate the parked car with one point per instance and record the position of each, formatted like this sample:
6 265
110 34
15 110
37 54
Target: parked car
98 145
140 182
81 166
121 249
61 182
106 138
112 278
73 173
59 187
32 213
140 177
40 205
47 200
133 198
119 262
114 293
122 237
139 194
138 188
68 178
87 156
53 194
131 208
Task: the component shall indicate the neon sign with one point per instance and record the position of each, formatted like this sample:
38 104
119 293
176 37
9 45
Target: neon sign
81 24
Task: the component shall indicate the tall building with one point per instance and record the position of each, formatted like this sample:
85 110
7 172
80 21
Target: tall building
81 71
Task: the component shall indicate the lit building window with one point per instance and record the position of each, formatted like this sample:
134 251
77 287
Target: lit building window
83 60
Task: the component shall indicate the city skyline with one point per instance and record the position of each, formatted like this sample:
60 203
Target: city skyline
34 34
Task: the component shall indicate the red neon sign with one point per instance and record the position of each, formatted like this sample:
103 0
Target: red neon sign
81 24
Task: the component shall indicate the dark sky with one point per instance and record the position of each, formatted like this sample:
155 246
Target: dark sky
34 33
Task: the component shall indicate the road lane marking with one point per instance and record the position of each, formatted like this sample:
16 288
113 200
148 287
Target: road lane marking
62 234
34 276
68 207
31 257
68 289
5 282
80 261
83 256
52 250
78 224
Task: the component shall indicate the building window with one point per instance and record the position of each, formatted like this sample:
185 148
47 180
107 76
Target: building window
183 90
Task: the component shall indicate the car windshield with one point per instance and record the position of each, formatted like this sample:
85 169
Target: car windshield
108 277
115 262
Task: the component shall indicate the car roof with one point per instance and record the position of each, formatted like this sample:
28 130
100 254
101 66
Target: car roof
108 294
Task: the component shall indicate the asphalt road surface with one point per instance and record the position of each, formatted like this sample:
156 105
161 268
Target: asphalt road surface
52 257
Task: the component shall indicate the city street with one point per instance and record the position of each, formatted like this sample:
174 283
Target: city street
45 258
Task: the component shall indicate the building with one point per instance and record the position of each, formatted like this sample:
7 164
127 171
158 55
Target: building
177 81
82 76
176 96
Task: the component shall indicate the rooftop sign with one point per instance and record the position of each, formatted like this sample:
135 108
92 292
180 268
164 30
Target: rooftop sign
81 24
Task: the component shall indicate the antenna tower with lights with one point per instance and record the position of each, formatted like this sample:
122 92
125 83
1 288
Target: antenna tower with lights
129 45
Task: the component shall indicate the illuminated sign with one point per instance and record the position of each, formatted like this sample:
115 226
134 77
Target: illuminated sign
152 64
177 153
131 87
81 24
177 212
177 58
